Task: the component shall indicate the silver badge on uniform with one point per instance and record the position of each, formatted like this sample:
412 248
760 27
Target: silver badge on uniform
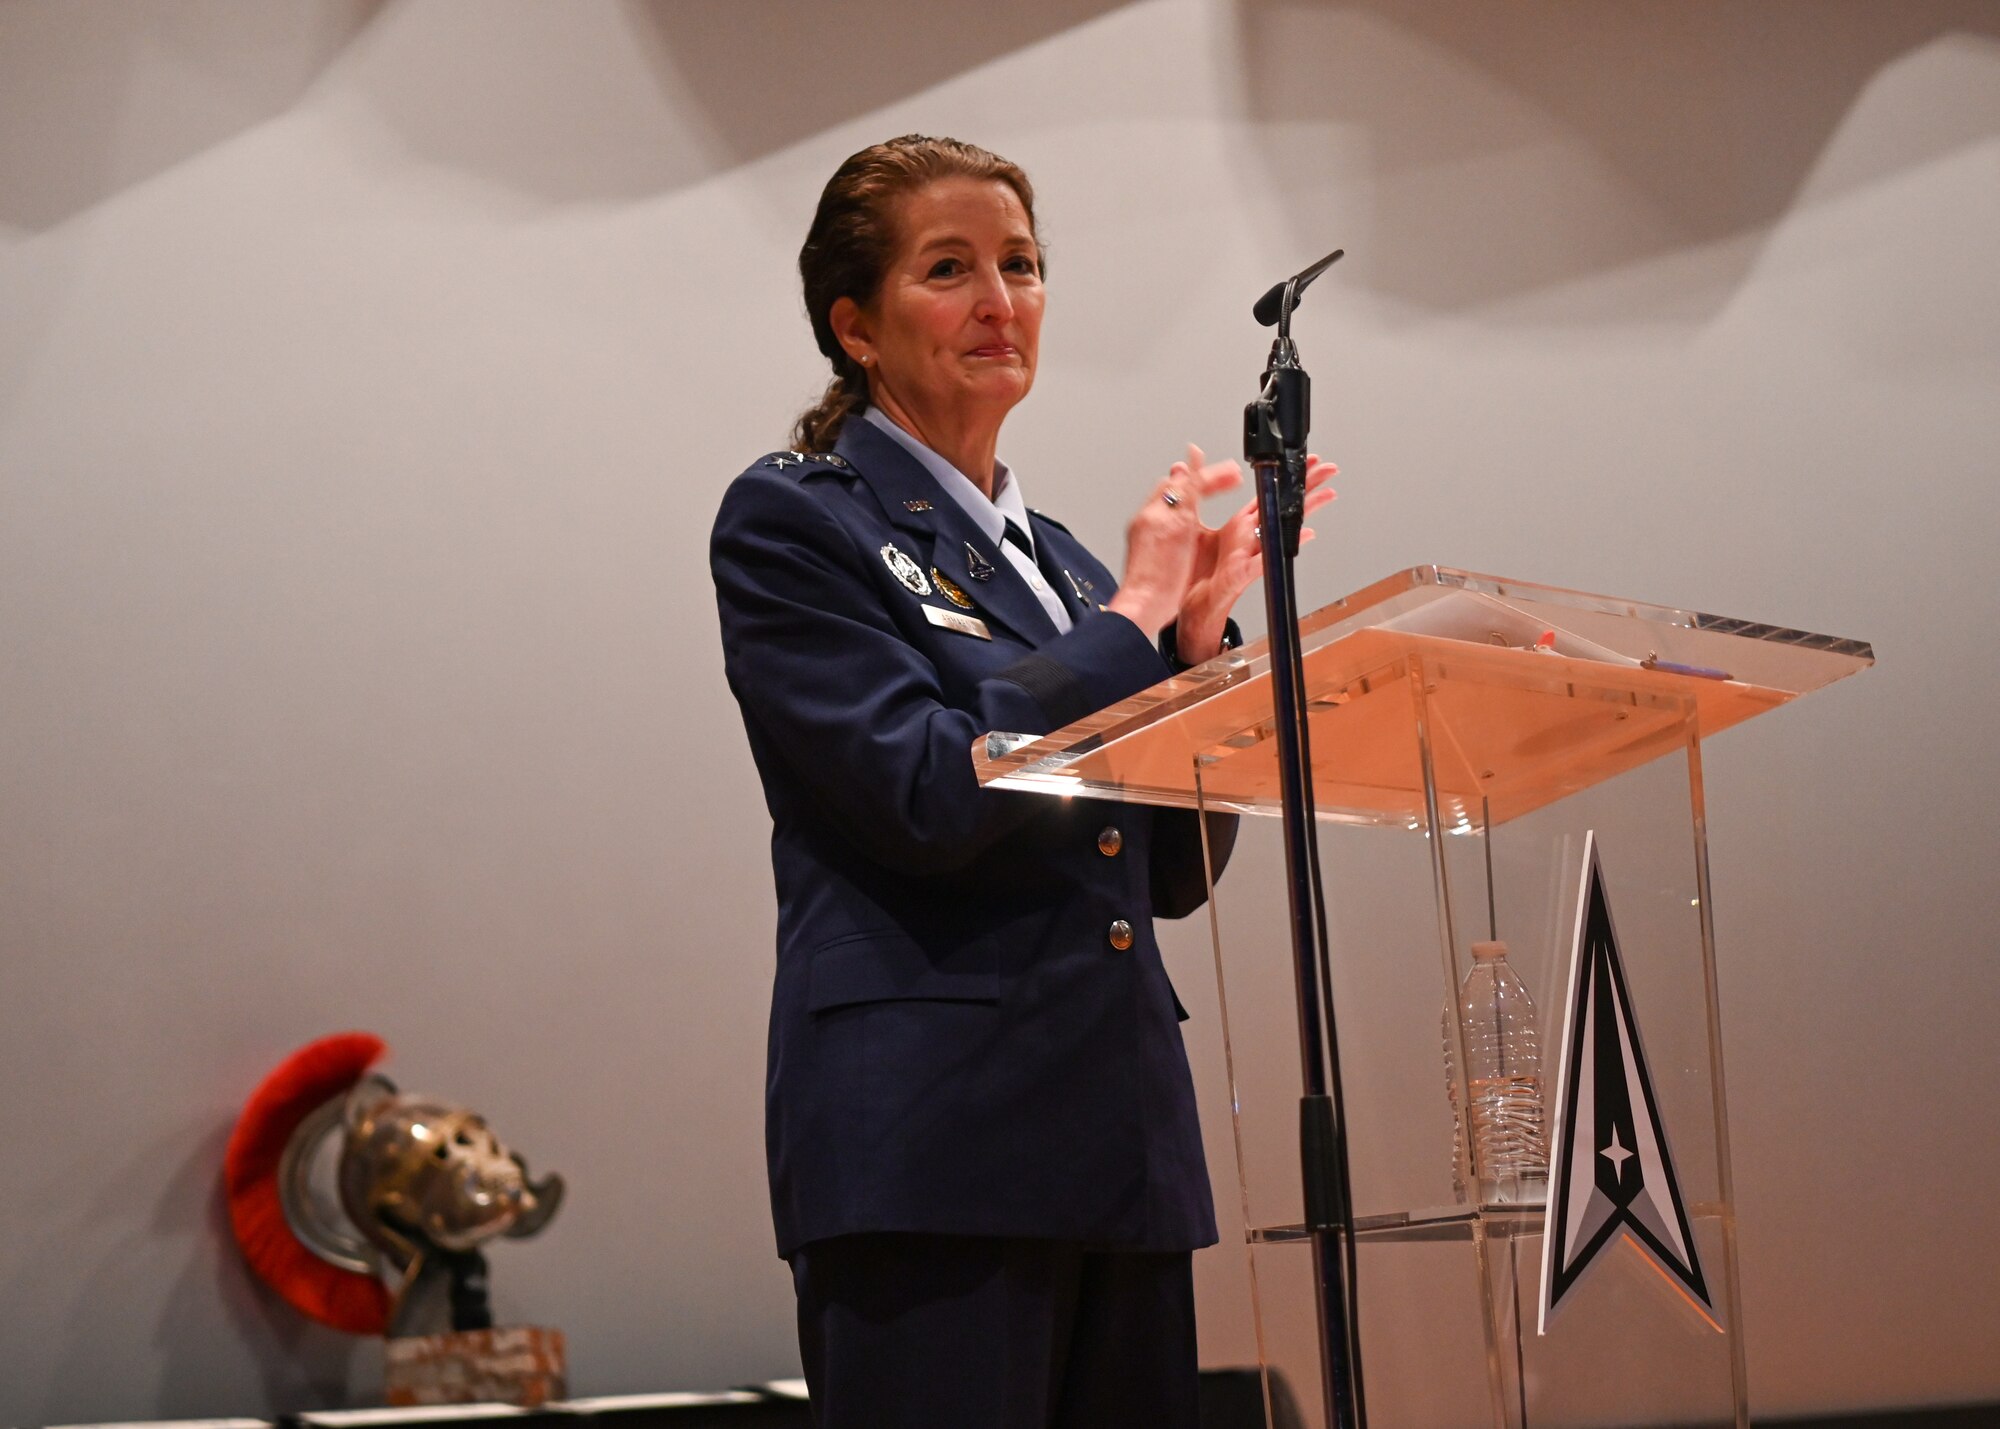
906 570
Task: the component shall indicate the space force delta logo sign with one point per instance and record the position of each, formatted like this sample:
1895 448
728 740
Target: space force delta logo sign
1611 1176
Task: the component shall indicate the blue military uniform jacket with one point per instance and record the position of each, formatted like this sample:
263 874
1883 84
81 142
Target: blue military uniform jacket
957 1043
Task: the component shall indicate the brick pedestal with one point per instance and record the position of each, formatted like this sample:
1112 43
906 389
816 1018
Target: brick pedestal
519 1364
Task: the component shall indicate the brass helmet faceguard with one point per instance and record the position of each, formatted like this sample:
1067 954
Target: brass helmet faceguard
417 1173
416 1178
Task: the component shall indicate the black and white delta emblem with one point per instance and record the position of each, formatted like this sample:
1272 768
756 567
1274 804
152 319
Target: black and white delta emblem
1611 1176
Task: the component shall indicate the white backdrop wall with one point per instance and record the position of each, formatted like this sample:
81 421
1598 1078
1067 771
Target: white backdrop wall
368 375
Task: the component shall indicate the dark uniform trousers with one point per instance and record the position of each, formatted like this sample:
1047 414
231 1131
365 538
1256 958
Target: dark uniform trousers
992 1332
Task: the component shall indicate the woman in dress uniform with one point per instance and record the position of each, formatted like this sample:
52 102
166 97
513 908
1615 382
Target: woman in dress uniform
986 1170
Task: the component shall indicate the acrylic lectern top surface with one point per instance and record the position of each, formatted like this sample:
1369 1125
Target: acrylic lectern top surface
1532 692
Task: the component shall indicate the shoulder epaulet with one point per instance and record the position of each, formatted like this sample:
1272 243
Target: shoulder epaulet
1044 516
785 461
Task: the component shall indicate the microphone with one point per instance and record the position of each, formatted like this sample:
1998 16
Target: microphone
1266 311
1283 297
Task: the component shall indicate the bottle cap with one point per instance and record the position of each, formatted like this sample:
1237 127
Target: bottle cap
1486 952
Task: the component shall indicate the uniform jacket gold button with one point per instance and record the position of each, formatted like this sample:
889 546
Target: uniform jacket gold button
1121 935
1109 842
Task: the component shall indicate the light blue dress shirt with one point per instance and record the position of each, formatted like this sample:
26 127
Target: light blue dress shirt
990 517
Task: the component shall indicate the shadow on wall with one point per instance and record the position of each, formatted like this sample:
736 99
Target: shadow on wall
1698 122
601 103
553 103
769 81
215 1314
99 95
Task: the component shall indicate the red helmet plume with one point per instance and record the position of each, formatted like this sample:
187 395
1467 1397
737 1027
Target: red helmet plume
312 1076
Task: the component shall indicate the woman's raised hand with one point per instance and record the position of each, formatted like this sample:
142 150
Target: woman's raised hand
1228 560
1164 542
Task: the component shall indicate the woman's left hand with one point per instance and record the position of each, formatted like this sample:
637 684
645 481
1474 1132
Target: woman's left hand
1228 559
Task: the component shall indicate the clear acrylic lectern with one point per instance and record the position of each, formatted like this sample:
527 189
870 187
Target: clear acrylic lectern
1478 745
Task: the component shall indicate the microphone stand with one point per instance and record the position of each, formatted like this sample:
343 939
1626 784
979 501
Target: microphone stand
1274 444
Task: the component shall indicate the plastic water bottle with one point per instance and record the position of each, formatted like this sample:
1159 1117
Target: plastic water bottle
1510 1144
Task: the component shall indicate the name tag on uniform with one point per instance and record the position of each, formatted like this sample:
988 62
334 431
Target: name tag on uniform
952 620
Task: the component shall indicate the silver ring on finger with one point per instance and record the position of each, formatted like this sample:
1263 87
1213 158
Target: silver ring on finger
1171 497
